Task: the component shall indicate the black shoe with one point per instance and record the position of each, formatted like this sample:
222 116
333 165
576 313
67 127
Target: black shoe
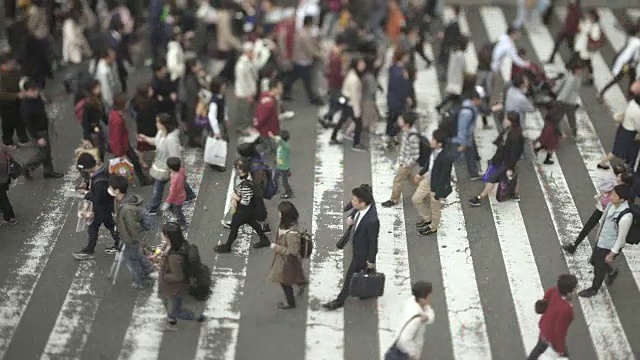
389 203
587 293
335 304
222 249
27 174
611 277
261 244
266 229
53 175
335 142
426 231
604 167
475 202
218 168
111 250
146 181
570 248
548 161
285 306
422 223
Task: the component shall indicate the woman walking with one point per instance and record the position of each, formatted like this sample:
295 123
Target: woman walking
286 268
94 120
588 41
352 108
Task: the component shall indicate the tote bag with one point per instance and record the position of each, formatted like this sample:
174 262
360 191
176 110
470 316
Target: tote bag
215 152
394 353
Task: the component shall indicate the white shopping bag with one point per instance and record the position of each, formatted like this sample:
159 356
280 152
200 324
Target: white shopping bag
215 152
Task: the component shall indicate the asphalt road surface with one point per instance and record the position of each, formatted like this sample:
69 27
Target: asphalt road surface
488 265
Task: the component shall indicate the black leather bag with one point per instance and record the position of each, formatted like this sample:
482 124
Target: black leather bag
344 240
367 285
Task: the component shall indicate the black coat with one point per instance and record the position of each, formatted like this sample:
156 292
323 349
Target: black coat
440 175
98 194
35 117
365 239
510 148
35 58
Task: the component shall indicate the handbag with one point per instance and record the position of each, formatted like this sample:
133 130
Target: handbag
365 285
15 169
394 353
506 188
215 152
344 240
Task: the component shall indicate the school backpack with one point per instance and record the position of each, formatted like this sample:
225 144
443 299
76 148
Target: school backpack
270 189
449 121
633 237
196 274
306 244
425 149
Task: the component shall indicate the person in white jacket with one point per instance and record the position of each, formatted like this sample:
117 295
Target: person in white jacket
175 56
417 313
107 76
590 32
75 47
625 63
246 88
351 103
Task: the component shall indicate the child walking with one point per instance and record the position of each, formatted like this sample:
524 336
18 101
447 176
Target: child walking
549 138
283 163
177 191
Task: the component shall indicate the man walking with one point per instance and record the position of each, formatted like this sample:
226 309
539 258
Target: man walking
10 96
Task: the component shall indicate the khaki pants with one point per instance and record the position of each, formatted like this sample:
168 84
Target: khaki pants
424 200
403 175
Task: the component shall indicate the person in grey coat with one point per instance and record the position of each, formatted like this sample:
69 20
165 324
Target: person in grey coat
569 92
516 98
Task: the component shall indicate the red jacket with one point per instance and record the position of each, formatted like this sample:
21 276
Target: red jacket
554 323
335 78
267 113
572 21
177 191
118 134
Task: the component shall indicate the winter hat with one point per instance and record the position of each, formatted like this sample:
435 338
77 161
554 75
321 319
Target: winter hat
607 183
85 161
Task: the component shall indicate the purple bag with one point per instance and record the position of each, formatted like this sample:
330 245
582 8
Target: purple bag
201 122
490 170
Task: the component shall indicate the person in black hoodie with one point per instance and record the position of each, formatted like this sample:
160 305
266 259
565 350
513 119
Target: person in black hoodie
10 95
510 145
102 201
164 89
35 117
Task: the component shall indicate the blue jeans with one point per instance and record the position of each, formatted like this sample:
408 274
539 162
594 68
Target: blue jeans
471 158
158 191
138 264
175 310
284 174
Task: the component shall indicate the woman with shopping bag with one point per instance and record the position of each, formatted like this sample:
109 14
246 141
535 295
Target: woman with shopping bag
167 144
215 151
125 162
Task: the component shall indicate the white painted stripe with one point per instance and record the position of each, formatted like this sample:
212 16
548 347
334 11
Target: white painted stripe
592 152
393 257
218 338
607 334
614 97
325 329
519 260
144 334
76 316
464 309
16 292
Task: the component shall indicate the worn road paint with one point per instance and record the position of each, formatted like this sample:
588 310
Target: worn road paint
219 338
17 290
76 316
325 329
607 334
464 309
144 335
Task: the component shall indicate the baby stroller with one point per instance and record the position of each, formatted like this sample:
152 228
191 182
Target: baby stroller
540 85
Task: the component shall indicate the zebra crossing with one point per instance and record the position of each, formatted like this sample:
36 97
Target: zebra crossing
488 265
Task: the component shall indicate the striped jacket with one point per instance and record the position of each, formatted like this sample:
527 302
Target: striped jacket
244 189
409 148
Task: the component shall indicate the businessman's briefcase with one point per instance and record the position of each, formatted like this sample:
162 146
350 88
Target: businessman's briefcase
367 285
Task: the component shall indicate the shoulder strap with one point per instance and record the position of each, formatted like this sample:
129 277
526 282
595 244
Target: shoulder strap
404 326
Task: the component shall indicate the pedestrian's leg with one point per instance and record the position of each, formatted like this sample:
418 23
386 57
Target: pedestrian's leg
285 181
7 128
305 74
238 219
92 234
191 195
436 210
344 116
137 167
156 198
111 226
288 294
47 161
179 214
538 350
420 199
593 221
470 155
600 268
179 312
5 204
399 180
255 225
358 133
131 255
344 293
562 36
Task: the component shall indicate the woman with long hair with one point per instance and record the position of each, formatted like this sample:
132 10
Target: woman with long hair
510 145
172 286
286 268
94 119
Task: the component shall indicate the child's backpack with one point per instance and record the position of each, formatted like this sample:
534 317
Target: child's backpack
306 244
197 274
425 149
633 237
270 189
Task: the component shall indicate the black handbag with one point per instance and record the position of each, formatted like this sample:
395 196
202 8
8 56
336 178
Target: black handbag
367 285
344 240
394 353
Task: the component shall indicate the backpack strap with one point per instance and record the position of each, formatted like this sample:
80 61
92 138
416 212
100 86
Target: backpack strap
623 213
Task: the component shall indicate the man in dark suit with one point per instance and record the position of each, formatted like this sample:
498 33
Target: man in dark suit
116 41
365 227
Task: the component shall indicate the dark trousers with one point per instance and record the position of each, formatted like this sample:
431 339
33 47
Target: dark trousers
176 210
588 226
570 111
392 122
288 294
12 123
347 113
284 175
600 266
334 105
301 72
5 204
560 38
619 76
135 160
242 216
354 267
41 157
539 349
94 228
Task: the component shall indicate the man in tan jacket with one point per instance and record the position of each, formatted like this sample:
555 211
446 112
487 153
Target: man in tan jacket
306 50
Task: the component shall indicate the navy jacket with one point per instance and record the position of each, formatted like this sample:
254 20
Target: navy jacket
399 89
365 239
